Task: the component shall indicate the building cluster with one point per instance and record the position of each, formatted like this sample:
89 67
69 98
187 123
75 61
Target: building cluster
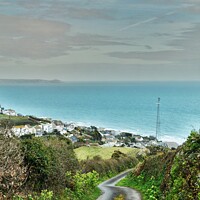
9 112
83 134
129 140
111 138
40 130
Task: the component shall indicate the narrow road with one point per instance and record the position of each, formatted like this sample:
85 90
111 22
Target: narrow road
110 191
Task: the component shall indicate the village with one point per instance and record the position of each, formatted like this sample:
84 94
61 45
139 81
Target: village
81 135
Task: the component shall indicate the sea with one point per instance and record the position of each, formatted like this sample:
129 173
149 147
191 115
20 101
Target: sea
130 106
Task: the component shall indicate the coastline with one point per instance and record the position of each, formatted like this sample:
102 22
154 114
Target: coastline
122 107
109 136
114 131
164 138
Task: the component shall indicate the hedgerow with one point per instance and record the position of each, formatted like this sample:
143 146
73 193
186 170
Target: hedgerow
171 175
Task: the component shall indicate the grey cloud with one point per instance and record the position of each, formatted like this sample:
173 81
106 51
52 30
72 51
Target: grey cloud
154 55
193 9
163 55
29 4
23 37
87 13
72 9
34 38
5 3
188 41
94 40
161 34
148 47
185 48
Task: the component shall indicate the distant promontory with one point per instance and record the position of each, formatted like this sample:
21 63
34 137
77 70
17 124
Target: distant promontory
29 82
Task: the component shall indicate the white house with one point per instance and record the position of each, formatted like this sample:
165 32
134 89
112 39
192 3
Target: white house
39 131
9 112
31 129
48 127
63 132
139 138
17 130
20 130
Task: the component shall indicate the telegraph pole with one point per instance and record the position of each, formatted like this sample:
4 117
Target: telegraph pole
158 119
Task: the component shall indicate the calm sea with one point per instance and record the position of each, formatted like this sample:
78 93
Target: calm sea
121 106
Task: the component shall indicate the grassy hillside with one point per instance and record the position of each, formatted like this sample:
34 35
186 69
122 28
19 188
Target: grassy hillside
18 120
105 152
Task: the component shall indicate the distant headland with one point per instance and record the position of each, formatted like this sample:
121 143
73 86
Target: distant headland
29 81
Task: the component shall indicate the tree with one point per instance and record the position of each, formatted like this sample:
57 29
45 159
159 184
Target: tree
13 173
48 159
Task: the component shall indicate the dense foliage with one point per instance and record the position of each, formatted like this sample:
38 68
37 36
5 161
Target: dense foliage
45 168
13 173
184 179
118 163
170 175
149 175
48 159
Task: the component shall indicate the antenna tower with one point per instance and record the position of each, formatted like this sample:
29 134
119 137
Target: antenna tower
158 119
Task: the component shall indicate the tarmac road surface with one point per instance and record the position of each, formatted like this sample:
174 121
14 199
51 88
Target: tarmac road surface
110 191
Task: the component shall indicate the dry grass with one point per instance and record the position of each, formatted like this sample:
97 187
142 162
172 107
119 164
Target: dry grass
84 152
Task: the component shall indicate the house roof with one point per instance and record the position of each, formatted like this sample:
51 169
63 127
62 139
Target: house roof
21 126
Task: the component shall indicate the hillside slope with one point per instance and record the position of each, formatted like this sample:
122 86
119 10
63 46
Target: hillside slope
85 152
170 175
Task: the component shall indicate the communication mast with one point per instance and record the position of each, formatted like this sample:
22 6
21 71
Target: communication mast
158 119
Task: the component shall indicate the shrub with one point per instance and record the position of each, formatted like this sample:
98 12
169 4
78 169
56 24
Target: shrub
48 159
117 163
183 182
44 195
83 183
171 175
13 173
37 160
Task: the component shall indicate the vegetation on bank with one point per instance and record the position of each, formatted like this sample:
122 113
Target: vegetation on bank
169 175
45 168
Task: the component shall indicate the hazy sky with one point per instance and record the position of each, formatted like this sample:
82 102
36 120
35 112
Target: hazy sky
100 40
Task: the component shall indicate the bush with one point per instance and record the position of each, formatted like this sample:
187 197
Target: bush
37 160
13 173
183 182
117 163
44 195
48 159
83 183
171 175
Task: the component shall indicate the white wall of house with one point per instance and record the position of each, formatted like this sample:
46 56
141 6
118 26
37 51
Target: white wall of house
9 112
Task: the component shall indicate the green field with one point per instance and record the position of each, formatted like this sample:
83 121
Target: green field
84 152
18 120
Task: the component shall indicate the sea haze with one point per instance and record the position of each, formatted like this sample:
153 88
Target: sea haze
121 106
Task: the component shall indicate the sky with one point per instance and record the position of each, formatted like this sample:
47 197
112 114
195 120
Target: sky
100 40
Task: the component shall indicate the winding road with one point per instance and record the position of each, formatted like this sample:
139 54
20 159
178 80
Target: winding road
110 191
